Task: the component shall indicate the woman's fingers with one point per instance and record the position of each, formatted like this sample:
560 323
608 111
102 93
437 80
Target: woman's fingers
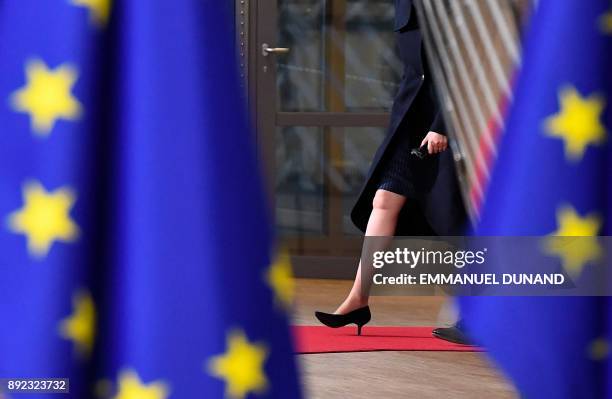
436 143
443 144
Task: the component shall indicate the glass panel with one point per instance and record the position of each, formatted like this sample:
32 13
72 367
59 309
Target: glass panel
310 178
342 50
300 73
299 185
373 69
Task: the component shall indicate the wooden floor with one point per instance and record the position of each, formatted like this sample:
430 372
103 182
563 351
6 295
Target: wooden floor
391 374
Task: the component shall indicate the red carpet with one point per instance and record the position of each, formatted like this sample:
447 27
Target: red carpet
320 339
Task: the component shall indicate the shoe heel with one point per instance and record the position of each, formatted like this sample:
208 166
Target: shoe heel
359 329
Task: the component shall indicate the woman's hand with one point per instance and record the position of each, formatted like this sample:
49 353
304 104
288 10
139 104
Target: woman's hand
436 142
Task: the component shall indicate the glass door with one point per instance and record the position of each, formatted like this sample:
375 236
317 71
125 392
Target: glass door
327 72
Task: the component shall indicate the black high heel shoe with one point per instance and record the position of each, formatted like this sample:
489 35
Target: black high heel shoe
359 316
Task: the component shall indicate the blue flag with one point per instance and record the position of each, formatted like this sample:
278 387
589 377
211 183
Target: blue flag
135 244
554 177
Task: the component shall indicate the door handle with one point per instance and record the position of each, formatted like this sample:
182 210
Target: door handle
266 50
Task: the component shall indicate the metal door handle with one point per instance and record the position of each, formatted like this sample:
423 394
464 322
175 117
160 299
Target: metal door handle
267 50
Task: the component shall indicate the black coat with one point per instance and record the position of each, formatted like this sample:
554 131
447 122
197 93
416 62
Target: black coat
437 208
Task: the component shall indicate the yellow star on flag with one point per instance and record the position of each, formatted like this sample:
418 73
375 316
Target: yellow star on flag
47 96
571 224
241 367
131 387
578 122
575 253
599 349
99 10
279 277
605 23
80 326
44 218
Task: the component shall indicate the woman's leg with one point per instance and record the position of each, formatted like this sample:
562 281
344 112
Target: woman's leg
386 208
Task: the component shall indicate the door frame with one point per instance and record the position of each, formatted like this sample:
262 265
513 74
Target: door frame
263 28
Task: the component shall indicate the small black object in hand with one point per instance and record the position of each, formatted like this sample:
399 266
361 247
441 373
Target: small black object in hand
420 153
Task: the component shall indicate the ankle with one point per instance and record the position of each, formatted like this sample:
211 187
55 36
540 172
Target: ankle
351 303
359 303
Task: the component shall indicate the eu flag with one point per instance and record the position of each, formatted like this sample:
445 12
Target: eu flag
135 243
554 177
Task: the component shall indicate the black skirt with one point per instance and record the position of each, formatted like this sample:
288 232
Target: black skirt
396 175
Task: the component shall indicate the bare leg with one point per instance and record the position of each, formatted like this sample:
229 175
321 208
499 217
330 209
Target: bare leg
383 221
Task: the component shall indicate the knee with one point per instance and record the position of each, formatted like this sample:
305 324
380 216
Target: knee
388 201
